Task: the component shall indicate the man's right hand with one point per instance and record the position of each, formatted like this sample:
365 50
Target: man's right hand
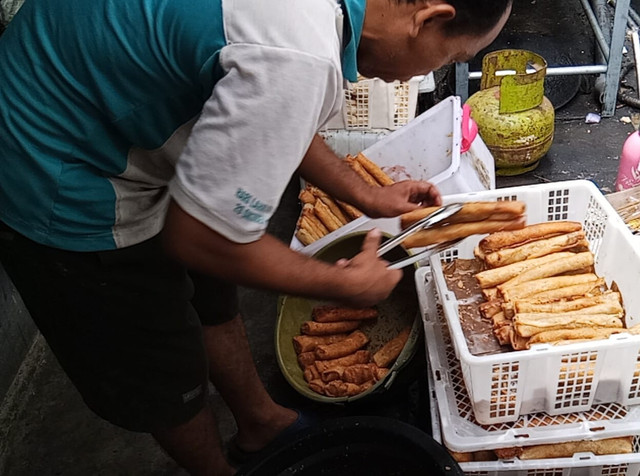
368 277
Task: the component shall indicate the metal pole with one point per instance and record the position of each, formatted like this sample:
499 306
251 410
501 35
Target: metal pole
612 77
595 26
462 81
553 71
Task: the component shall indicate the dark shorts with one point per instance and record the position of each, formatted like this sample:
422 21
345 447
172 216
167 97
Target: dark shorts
125 325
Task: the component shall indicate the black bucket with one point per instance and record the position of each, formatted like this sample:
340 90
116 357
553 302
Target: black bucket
357 446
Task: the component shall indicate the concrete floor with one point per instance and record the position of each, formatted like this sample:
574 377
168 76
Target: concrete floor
45 429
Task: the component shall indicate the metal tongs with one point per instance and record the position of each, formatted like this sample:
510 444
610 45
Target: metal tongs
434 218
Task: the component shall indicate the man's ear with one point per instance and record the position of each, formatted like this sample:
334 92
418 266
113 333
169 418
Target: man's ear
430 13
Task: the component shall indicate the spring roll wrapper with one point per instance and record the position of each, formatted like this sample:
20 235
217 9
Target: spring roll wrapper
313 328
588 333
535 249
353 342
328 313
500 240
529 327
566 305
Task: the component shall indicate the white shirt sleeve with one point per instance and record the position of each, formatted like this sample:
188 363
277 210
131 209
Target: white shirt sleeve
252 135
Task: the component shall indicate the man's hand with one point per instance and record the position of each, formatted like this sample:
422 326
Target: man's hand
370 279
399 198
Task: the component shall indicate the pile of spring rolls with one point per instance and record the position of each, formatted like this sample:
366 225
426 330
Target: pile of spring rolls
607 446
475 218
332 355
321 214
540 286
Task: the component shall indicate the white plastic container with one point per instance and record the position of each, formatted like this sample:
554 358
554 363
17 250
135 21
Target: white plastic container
456 421
567 378
580 464
375 104
428 148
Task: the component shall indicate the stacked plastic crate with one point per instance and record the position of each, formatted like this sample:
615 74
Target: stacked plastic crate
548 395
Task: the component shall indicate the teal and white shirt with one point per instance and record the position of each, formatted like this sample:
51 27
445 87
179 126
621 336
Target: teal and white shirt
109 107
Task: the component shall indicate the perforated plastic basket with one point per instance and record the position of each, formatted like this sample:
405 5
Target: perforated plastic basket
556 379
580 464
375 104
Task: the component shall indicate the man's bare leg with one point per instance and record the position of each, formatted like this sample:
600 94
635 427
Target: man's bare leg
195 445
233 372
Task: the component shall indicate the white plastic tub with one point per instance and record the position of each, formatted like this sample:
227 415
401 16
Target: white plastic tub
567 378
455 424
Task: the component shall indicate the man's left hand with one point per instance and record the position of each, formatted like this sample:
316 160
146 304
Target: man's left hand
401 197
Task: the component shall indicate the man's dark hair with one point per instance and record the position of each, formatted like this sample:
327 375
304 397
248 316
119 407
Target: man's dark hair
473 17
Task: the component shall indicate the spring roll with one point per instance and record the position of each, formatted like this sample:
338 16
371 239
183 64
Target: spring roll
317 386
360 170
305 359
490 308
491 294
305 237
306 196
392 349
527 327
470 212
325 215
359 357
313 328
500 240
439 234
586 302
335 209
374 170
355 341
577 261
329 313
620 445
588 333
313 222
360 373
534 249
591 288
338 388
530 288
492 277
349 210
309 343
311 373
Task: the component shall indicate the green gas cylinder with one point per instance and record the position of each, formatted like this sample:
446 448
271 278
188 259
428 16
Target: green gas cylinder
515 119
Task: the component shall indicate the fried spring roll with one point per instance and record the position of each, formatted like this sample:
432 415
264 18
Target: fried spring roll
329 313
620 445
305 196
338 388
335 209
497 241
360 170
311 373
576 261
360 373
342 348
359 357
389 352
317 386
439 234
583 303
374 170
470 212
349 210
325 215
313 328
527 327
309 343
530 288
314 223
305 359
491 294
591 288
490 308
588 333
534 249
305 237
492 277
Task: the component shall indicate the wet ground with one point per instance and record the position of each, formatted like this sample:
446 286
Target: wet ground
45 429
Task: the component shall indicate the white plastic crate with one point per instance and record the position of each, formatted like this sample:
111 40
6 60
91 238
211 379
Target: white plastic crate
580 464
426 149
556 379
375 104
455 426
